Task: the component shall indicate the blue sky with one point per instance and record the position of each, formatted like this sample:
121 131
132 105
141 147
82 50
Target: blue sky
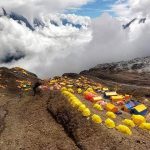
94 9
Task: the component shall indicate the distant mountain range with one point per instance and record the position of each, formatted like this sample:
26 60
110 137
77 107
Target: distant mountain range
38 22
138 65
62 21
139 21
136 71
20 19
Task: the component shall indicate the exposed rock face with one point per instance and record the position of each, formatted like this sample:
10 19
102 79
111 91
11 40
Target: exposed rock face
139 21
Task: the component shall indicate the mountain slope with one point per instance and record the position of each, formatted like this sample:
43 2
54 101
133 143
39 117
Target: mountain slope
19 18
137 20
9 78
135 65
57 20
25 122
136 71
48 121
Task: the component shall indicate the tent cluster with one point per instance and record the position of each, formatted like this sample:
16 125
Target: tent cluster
21 70
110 102
97 93
74 85
113 104
24 85
86 112
75 102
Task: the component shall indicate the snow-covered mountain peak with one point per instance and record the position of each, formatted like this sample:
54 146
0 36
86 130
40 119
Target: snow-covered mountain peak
135 20
56 20
134 65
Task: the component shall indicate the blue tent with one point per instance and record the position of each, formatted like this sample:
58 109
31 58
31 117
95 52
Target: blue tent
140 109
130 104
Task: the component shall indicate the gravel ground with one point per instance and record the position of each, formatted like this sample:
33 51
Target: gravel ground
26 125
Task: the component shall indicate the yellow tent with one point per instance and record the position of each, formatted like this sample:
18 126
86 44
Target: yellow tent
109 94
111 107
97 98
105 89
117 98
140 109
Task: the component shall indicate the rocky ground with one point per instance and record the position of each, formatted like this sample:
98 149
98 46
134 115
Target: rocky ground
135 71
127 77
48 122
25 124
24 120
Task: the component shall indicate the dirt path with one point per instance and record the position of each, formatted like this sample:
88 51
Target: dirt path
29 126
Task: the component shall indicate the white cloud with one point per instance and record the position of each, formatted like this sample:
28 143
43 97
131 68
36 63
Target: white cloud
132 8
31 8
56 50
48 51
112 43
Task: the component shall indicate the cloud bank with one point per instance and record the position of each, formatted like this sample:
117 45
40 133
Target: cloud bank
128 9
49 50
112 43
60 47
32 8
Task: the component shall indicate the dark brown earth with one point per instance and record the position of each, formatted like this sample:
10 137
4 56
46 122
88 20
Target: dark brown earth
8 78
48 122
25 123
136 84
121 76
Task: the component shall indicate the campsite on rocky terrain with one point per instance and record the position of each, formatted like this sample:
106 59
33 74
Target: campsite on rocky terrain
74 74
71 112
